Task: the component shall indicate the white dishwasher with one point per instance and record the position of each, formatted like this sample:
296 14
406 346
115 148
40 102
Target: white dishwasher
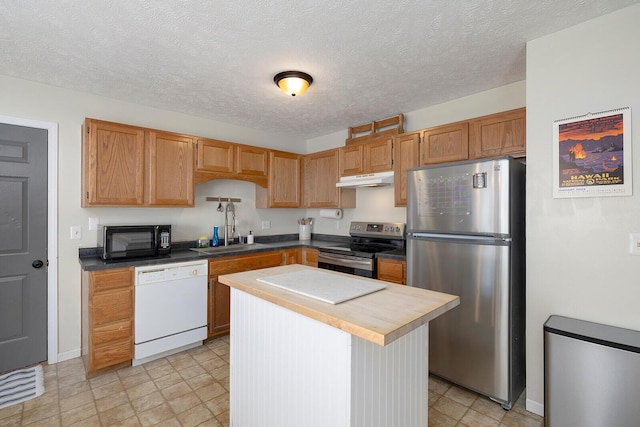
170 309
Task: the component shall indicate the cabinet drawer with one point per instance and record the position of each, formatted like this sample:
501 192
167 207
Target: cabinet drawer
111 354
112 332
112 306
111 279
244 263
391 271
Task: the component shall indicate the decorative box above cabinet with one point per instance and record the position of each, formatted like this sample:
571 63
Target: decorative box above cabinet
125 165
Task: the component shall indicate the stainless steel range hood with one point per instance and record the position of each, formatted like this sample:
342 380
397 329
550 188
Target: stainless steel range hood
379 179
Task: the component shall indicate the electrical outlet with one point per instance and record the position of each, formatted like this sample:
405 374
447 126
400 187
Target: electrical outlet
94 223
634 243
76 232
266 225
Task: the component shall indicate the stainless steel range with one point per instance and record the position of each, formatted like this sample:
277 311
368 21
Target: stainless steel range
367 239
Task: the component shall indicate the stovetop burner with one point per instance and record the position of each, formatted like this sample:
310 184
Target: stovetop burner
368 239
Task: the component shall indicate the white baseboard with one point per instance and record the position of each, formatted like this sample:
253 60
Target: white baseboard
67 355
535 407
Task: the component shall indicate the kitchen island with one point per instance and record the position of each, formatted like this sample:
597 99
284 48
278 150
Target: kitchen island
299 361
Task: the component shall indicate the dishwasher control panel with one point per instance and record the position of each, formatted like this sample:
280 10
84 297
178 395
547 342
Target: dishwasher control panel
169 272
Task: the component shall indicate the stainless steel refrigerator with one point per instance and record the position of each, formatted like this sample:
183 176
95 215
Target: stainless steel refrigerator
466 236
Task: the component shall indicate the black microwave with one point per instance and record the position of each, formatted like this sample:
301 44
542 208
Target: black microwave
134 241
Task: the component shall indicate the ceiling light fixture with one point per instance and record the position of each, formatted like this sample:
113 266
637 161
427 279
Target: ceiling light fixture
293 82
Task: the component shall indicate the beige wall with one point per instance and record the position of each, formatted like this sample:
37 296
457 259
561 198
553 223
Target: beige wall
69 108
578 264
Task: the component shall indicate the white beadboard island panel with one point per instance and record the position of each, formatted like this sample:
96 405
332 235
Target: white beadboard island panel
288 370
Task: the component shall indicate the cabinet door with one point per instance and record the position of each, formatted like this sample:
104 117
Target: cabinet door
284 180
219 307
290 256
252 160
171 178
392 270
108 311
448 143
112 164
406 156
320 177
219 294
215 156
378 155
499 135
309 257
351 160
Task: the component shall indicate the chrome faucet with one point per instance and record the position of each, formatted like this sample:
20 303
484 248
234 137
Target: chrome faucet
229 208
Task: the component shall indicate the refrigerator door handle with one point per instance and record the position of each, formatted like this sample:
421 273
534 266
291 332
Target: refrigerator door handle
440 236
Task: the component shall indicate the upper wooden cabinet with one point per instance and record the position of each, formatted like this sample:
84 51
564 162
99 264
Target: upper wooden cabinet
215 156
227 160
367 157
170 173
406 156
126 165
321 175
378 155
113 157
498 135
283 188
448 143
351 160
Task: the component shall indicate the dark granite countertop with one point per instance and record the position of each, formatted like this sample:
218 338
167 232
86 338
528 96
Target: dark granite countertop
90 261
399 254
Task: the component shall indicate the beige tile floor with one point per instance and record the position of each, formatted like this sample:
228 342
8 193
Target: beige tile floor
191 389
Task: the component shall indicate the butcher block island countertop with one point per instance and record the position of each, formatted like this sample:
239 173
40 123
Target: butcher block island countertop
380 317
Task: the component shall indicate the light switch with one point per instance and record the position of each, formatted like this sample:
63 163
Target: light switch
634 243
266 225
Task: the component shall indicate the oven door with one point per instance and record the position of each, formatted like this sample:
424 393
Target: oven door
349 264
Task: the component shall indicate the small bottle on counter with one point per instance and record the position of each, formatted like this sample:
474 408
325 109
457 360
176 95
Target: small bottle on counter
250 238
215 241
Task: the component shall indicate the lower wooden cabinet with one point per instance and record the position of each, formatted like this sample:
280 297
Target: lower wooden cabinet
107 319
219 294
309 257
392 270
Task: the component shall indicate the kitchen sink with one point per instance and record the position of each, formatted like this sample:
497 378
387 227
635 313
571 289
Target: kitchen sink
230 248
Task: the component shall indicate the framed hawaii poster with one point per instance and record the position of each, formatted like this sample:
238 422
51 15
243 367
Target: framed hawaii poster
592 155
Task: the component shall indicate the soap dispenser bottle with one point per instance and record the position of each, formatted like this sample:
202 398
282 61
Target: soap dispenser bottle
215 242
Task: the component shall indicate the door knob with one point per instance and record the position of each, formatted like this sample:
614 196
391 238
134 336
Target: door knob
37 263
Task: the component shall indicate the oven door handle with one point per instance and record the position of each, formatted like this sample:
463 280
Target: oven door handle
344 261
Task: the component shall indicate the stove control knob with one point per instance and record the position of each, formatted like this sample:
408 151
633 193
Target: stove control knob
397 229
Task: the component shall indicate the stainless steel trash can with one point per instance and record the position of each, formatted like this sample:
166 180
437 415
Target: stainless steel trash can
591 374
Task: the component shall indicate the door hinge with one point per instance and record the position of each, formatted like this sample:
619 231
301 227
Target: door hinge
87 194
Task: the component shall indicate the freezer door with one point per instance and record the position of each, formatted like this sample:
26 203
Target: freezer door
464 198
468 345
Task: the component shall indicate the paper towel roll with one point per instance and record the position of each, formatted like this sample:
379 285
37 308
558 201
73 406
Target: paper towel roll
331 213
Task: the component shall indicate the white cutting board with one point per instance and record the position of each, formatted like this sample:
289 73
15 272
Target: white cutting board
323 285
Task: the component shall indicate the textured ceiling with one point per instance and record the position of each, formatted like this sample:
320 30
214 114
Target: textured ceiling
216 59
